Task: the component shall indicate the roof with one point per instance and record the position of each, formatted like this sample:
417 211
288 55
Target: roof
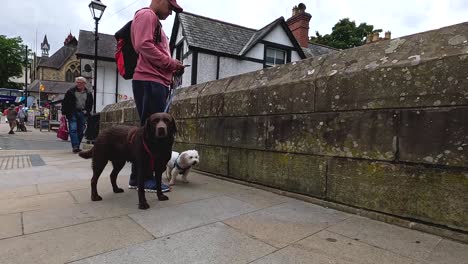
106 46
257 36
53 87
315 49
219 36
215 35
59 58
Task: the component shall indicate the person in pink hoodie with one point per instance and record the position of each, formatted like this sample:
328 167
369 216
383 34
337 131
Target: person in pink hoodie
155 66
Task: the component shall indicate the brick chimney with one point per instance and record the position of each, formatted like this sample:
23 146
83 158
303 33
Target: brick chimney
299 24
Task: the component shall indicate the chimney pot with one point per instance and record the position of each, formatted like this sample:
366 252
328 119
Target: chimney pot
375 37
388 35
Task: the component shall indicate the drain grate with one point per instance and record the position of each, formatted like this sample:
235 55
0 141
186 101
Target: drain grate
20 161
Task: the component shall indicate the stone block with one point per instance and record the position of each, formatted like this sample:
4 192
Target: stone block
180 147
291 172
115 116
238 96
370 135
211 98
434 195
185 102
190 130
422 70
130 115
438 136
246 132
215 159
214 131
295 97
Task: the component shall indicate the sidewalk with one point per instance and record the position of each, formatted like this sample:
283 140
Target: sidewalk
46 216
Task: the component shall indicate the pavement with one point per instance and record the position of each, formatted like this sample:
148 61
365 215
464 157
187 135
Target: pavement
47 216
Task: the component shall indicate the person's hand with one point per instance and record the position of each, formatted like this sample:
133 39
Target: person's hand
179 68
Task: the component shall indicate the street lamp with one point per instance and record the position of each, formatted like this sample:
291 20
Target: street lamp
97 9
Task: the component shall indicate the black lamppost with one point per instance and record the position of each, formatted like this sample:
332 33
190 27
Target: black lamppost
97 9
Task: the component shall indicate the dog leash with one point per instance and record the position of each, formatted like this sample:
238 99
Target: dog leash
176 82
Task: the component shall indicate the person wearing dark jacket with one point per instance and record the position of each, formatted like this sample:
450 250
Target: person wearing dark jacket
77 106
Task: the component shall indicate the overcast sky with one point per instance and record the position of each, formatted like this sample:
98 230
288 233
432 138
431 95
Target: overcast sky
57 18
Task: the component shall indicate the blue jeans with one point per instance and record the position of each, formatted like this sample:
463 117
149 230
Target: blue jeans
76 127
150 97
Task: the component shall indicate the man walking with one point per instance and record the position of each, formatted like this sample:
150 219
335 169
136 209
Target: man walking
155 67
76 106
11 117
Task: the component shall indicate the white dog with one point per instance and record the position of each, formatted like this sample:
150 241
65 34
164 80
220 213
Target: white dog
181 164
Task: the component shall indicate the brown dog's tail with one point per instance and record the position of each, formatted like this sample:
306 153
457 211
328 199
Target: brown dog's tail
86 154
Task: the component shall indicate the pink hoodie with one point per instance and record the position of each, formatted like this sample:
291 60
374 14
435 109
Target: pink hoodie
154 61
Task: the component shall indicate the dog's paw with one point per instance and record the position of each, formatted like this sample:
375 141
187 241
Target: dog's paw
96 198
118 190
163 197
143 206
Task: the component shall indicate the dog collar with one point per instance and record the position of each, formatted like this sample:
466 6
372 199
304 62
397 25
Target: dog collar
150 155
181 170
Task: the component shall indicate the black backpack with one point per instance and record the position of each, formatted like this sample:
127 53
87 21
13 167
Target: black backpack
125 55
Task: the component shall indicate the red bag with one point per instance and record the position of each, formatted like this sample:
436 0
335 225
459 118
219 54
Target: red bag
62 133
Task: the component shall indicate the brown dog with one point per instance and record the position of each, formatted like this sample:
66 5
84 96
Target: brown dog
148 147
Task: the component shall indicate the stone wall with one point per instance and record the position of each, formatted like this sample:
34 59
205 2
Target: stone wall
383 127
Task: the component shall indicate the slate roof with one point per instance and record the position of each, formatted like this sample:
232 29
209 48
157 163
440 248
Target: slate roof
317 50
207 33
53 87
59 58
106 46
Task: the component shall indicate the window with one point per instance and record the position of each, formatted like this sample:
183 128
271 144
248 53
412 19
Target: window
72 72
274 56
69 76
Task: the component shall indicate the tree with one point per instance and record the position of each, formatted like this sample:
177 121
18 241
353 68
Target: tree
12 56
345 35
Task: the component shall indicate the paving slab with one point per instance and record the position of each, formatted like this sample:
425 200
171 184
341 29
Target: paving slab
164 221
41 220
284 224
72 243
63 186
36 202
406 242
329 248
18 192
449 252
10 225
215 243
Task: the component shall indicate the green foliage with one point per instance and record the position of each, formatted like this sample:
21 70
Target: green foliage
345 34
12 58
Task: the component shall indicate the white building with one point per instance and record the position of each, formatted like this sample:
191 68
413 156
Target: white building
111 87
217 49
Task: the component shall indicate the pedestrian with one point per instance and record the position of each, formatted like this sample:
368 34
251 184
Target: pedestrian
21 118
76 106
155 66
11 117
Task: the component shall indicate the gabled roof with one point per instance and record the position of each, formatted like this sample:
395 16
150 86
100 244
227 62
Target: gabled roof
106 46
219 36
53 87
59 58
207 33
